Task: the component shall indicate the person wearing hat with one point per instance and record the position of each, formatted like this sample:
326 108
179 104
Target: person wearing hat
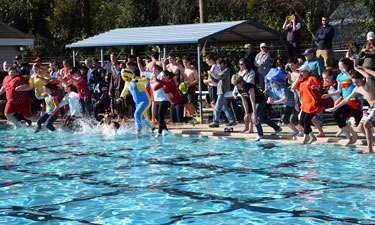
21 67
309 106
324 37
263 63
278 93
316 66
368 52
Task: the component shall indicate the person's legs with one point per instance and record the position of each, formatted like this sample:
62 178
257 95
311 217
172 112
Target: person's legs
180 112
318 126
261 81
286 118
369 136
319 55
305 121
162 109
260 110
88 105
145 106
218 107
50 122
266 120
228 112
12 119
40 121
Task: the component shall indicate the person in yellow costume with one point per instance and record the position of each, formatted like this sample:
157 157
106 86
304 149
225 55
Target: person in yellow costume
137 87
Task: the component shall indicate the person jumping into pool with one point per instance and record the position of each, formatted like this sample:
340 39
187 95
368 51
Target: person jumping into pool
72 99
17 101
279 93
309 107
52 105
251 96
137 87
177 102
108 120
364 85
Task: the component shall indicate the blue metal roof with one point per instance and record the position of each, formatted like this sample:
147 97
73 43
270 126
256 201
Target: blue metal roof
222 32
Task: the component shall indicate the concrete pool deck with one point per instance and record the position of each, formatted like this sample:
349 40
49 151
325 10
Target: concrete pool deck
329 128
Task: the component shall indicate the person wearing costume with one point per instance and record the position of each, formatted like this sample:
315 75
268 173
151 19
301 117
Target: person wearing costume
137 87
278 93
52 105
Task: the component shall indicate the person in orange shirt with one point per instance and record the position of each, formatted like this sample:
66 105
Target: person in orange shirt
309 106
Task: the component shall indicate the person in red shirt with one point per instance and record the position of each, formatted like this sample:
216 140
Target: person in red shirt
309 106
173 95
17 101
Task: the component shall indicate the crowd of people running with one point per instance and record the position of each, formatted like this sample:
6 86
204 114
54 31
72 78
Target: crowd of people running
145 91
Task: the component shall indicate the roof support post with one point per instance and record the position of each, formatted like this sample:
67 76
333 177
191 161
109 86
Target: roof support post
200 83
102 57
132 50
74 57
164 51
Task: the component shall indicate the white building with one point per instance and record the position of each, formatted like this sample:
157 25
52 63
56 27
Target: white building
12 42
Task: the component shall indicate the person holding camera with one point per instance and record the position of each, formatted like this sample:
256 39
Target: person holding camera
368 52
293 35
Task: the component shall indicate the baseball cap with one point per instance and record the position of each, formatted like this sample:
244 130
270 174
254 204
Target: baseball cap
18 57
308 51
263 45
304 68
37 60
370 36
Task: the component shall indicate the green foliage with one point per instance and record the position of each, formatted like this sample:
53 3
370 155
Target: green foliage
55 23
371 21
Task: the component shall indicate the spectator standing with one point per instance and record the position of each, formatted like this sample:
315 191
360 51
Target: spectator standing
293 35
263 63
97 66
324 37
222 79
368 52
249 53
21 67
212 86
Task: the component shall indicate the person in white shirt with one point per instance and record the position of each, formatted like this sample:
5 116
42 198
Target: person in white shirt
212 86
71 98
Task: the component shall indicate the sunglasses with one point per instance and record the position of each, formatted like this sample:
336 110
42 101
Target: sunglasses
241 64
263 47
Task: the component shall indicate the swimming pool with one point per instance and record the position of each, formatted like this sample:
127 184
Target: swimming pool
101 178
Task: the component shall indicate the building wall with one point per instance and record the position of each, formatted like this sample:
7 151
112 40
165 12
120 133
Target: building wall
7 53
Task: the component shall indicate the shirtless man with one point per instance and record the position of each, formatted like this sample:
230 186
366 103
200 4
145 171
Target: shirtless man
362 79
172 67
190 75
154 61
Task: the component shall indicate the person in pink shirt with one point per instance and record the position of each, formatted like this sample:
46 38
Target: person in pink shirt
79 81
177 102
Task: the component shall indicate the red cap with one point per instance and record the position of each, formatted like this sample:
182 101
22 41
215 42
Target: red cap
38 60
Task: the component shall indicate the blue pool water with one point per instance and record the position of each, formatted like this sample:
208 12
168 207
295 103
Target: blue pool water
100 178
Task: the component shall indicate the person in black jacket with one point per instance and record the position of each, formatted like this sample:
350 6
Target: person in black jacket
324 37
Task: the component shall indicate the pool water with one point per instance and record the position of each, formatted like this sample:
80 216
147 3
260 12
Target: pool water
99 177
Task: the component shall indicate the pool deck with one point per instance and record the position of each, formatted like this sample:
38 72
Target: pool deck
330 130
